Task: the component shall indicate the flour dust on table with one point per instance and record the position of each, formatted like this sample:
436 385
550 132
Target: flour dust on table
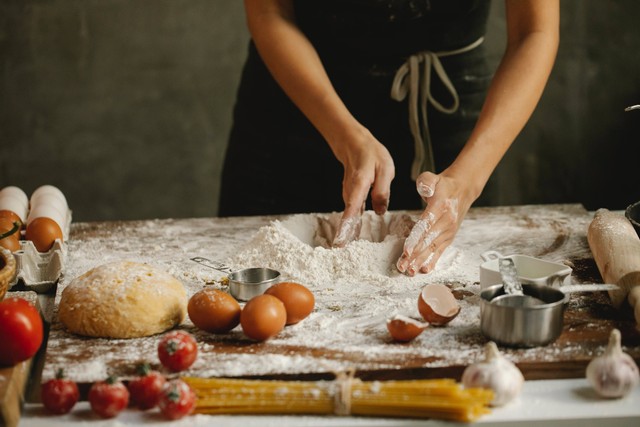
356 288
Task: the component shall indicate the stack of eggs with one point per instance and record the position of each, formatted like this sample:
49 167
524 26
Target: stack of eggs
44 217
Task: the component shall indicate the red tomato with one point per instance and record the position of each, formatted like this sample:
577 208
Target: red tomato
177 399
177 350
145 389
58 394
20 330
108 398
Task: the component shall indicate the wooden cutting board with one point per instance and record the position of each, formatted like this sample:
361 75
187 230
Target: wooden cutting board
347 328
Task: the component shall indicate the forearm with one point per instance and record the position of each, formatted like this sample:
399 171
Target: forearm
511 99
296 66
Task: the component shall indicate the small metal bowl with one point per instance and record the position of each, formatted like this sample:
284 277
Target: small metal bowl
250 282
633 215
513 322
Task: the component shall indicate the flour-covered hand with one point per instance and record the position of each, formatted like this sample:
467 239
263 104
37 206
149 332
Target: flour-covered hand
368 172
447 203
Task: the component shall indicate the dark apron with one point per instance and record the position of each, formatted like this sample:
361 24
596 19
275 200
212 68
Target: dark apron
276 161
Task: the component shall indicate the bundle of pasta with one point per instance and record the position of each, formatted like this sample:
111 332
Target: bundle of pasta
430 398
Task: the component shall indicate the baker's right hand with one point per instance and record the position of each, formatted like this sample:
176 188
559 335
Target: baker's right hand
368 168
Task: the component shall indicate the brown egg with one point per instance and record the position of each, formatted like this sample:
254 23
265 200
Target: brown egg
297 299
263 317
10 215
43 232
437 305
213 310
12 241
405 329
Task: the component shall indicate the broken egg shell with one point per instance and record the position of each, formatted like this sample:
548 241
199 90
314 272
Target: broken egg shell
437 305
404 329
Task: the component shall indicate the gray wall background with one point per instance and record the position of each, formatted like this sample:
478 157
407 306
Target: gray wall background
126 105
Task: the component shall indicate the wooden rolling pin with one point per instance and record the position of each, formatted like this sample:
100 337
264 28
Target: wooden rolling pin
616 250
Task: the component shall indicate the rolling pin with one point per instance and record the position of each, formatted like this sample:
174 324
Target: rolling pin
616 249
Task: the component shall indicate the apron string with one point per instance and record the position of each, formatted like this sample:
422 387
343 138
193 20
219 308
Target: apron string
413 80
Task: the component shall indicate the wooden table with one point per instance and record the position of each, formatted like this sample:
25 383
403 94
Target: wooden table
359 338
553 232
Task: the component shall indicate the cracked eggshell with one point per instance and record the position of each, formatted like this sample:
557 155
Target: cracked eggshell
437 305
405 329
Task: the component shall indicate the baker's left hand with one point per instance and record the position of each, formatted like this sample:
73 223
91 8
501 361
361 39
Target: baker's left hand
447 204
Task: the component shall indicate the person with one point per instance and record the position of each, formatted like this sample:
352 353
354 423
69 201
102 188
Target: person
396 91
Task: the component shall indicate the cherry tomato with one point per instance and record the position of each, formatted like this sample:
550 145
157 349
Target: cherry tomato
145 389
58 394
177 399
108 398
20 330
177 350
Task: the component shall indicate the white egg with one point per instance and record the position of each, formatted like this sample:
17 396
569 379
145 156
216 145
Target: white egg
48 211
48 189
49 199
16 192
13 203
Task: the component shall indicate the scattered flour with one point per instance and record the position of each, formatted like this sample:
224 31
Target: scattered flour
357 288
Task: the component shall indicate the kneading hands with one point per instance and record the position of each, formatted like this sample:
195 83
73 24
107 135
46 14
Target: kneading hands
532 41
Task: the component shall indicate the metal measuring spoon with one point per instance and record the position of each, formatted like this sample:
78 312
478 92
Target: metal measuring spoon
514 297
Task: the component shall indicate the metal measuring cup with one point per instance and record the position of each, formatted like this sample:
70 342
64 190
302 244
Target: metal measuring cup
246 283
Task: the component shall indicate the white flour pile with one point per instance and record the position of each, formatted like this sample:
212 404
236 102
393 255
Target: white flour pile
299 247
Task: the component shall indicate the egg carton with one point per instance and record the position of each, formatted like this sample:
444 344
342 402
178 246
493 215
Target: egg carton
40 271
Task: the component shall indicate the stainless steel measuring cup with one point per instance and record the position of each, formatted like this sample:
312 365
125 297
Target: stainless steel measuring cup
246 283
507 321
513 321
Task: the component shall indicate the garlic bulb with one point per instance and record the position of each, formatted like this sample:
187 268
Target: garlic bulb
496 373
613 373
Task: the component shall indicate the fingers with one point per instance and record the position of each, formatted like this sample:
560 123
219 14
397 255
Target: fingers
381 190
355 196
348 231
355 192
430 253
426 184
428 238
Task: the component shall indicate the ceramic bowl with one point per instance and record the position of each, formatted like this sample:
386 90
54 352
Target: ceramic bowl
531 270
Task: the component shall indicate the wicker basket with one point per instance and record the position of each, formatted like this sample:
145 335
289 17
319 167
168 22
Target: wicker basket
7 270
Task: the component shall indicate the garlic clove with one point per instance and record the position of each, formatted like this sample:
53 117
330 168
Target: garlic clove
437 305
404 329
614 373
497 373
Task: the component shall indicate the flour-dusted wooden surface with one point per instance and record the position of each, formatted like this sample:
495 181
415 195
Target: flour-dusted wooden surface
347 328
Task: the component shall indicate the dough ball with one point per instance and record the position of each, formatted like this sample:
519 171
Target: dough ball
123 300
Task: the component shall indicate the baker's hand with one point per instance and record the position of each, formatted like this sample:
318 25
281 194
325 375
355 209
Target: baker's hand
447 204
368 167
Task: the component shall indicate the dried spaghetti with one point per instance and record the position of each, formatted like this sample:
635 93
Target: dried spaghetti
434 398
